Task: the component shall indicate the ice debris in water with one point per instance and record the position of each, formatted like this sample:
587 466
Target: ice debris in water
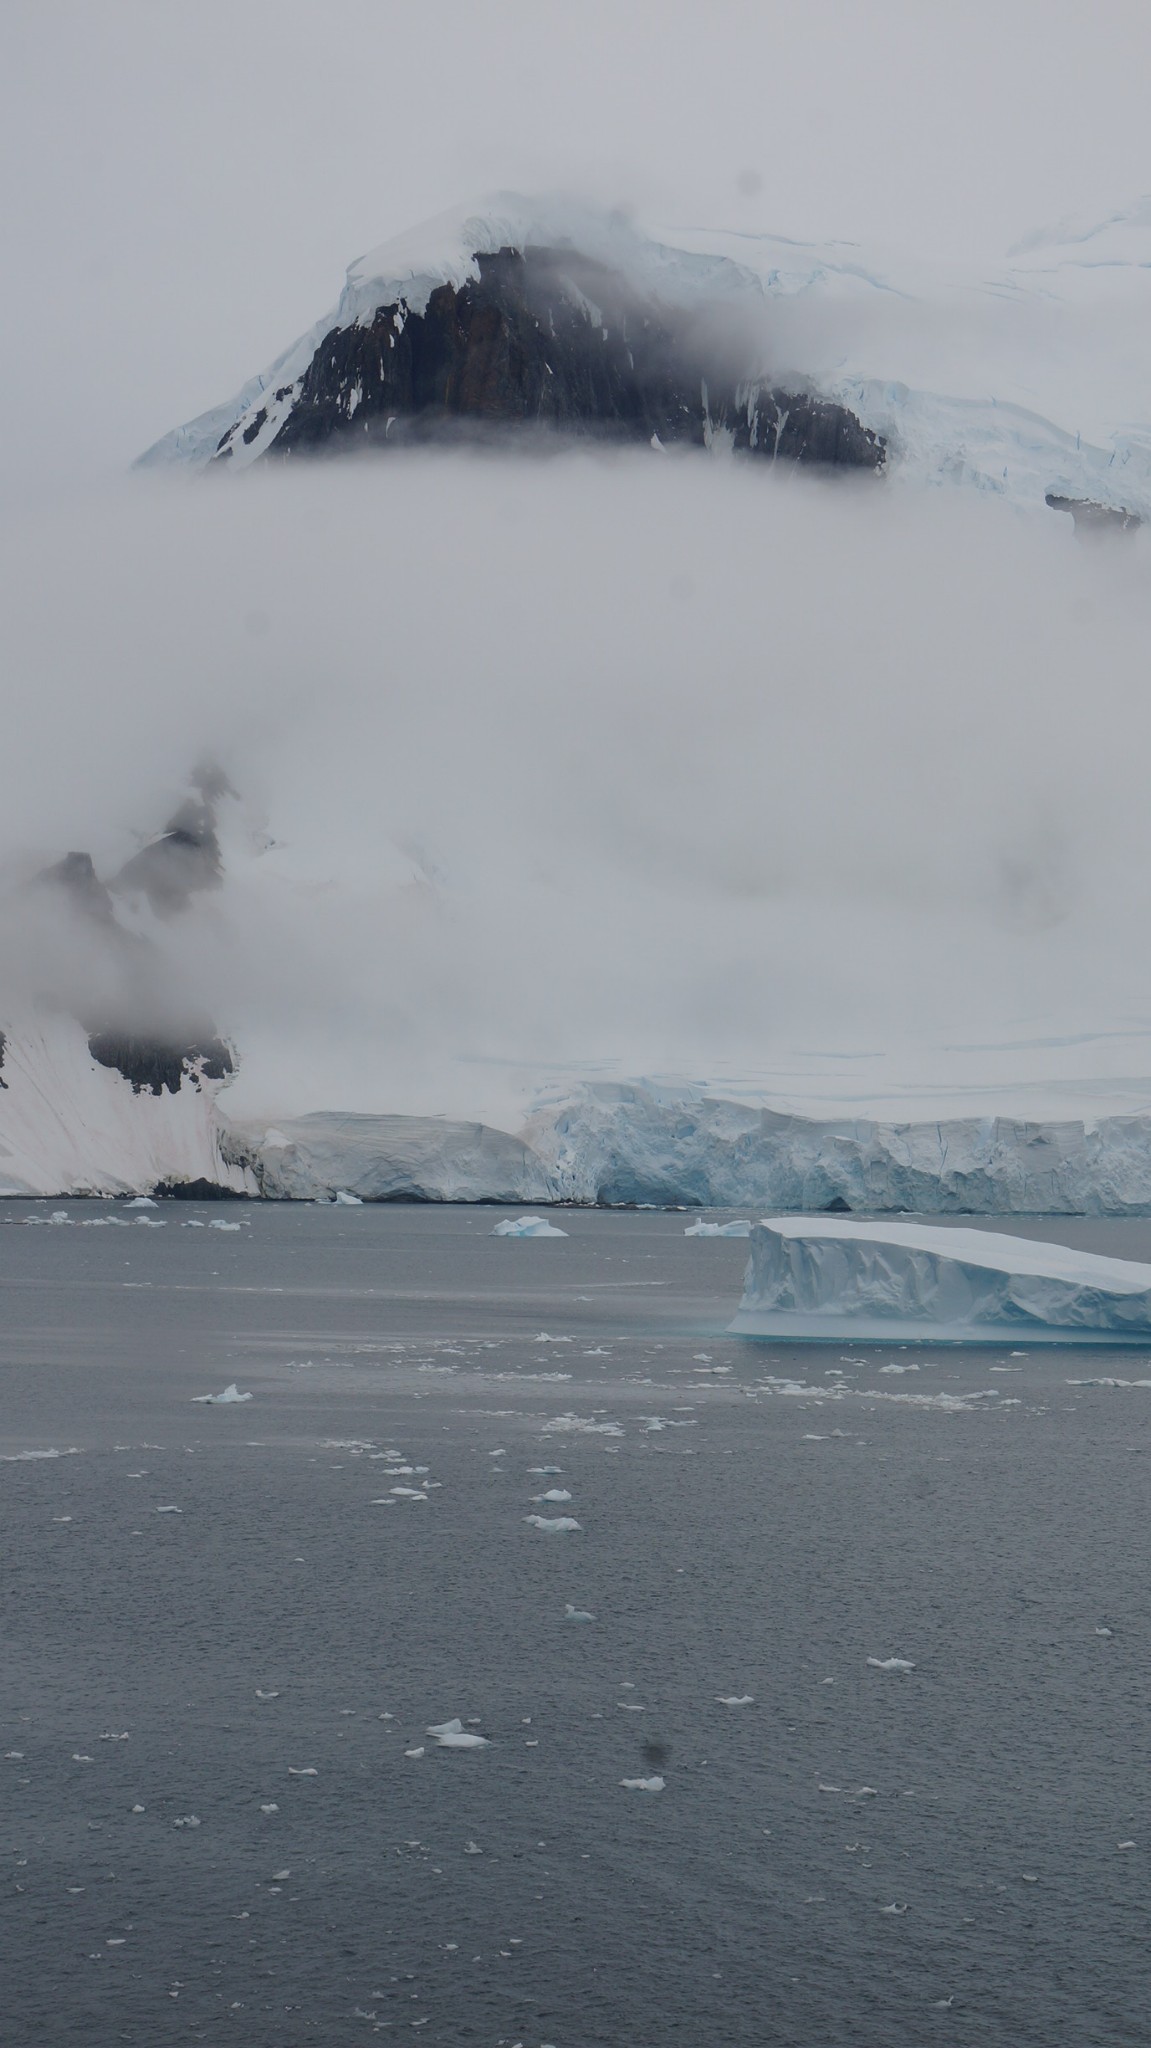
140 1202
526 1226
553 1493
545 1471
187 1820
554 1524
413 1752
344 1200
893 1909
577 1613
701 1229
230 1394
890 1664
743 1699
453 1735
307 1771
219 1224
655 1784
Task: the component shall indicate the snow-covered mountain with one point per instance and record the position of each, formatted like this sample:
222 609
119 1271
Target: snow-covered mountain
108 1072
1027 379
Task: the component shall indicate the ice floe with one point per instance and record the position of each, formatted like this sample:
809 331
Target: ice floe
577 1613
555 1525
527 1226
453 1735
890 1664
655 1784
227 1399
702 1229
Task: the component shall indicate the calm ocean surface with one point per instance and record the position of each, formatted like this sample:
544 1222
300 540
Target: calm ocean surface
226 1630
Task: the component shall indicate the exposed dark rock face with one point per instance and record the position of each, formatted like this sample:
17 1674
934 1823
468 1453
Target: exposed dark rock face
1091 517
82 886
154 1064
186 856
196 1191
546 340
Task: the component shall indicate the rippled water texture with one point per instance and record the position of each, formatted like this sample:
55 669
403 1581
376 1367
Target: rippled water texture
228 1628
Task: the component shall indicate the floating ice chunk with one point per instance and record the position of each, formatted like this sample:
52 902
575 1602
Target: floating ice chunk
22 1457
139 1809
409 1493
526 1226
655 1784
266 1695
150 1222
1104 1631
269 1806
218 1223
893 1909
453 1735
743 1699
890 1664
346 1201
577 1613
192 1223
555 1524
545 1471
905 1368
1124 1845
187 1820
413 1752
230 1395
472 1849
110 1735
586 1425
169 1510
825 1277
701 1229
307 1771
553 1493
141 1202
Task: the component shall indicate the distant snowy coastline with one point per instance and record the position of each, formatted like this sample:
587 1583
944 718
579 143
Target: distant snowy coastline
610 1146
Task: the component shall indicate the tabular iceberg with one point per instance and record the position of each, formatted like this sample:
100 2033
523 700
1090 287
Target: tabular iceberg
829 1278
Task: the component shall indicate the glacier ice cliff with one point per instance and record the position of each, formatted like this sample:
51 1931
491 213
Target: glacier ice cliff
387 1159
829 1278
615 1143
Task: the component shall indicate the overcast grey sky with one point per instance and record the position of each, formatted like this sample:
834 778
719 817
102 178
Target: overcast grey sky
184 184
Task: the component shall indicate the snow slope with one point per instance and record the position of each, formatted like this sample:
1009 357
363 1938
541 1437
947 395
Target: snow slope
1025 378
830 1278
71 1126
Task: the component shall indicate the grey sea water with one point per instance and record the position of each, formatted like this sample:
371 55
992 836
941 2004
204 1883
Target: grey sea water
226 1630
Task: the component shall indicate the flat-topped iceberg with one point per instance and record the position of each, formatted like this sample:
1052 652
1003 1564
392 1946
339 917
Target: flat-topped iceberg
829 1278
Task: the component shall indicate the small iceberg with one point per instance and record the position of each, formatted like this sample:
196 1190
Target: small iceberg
141 1202
655 1784
577 1613
219 1224
343 1200
743 1699
701 1229
229 1396
890 1664
453 1735
554 1493
554 1524
527 1226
